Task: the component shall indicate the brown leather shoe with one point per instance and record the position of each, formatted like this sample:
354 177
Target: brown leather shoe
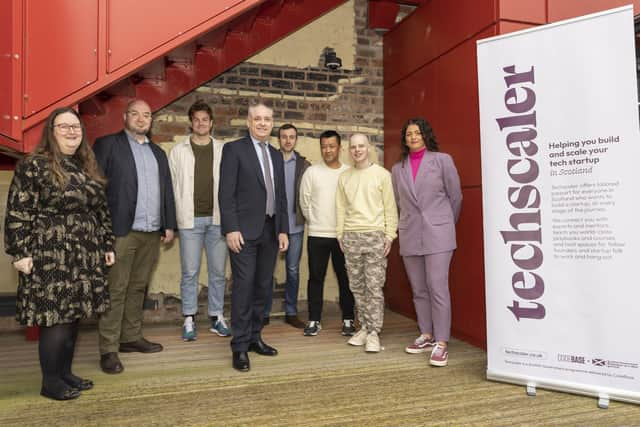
294 321
110 363
140 346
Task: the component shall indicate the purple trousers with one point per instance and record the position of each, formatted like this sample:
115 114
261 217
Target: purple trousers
429 278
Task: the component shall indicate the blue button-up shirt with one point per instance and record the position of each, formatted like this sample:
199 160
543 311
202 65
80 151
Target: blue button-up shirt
147 216
290 187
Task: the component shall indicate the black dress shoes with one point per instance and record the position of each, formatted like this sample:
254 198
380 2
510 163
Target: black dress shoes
58 390
241 361
262 348
78 383
65 394
140 346
110 363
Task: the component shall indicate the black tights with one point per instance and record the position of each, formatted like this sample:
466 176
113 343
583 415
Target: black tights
56 347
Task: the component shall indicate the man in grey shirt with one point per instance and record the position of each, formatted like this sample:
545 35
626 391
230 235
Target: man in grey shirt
294 166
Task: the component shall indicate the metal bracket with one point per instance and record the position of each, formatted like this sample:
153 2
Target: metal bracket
531 390
603 401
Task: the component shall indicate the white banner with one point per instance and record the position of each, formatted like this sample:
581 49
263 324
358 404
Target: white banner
561 202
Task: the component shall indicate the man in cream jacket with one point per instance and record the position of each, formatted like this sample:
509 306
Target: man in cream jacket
195 171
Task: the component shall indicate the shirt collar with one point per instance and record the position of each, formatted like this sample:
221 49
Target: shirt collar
292 158
256 142
131 138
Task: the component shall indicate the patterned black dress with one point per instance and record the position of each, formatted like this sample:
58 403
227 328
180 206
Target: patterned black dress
66 232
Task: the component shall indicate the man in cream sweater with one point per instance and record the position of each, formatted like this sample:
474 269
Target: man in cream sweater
195 172
317 202
366 220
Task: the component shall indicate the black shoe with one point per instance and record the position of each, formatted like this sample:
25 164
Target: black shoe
348 328
140 346
293 321
312 328
64 393
262 348
110 363
241 361
78 383
266 321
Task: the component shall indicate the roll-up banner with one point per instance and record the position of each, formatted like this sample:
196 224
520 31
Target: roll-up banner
561 203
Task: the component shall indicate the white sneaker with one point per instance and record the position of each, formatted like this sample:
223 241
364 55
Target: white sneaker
189 330
360 338
373 343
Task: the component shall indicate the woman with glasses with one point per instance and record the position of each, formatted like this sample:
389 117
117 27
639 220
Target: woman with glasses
428 195
58 232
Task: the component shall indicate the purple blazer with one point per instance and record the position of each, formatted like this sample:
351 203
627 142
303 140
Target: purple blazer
429 207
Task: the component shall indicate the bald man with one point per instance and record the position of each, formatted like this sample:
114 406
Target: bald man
143 212
366 223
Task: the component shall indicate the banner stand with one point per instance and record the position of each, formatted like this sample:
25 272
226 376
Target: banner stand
560 143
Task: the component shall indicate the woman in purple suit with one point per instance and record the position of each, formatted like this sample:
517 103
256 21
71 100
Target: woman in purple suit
428 195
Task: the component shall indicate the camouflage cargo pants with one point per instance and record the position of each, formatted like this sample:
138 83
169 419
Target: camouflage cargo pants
367 268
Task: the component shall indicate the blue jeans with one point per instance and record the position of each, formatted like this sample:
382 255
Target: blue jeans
203 234
292 259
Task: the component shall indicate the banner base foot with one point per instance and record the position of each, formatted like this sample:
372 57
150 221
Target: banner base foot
531 390
603 401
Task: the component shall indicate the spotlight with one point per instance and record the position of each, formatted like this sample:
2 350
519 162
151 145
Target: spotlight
331 60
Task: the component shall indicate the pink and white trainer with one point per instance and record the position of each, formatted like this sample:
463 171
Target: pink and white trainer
420 345
439 355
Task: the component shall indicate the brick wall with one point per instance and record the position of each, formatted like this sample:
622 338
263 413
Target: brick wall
312 98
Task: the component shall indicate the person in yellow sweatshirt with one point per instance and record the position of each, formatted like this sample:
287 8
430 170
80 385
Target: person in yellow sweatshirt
367 219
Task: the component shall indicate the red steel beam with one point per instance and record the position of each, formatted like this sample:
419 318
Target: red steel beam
11 59
29 129
209 62
382 14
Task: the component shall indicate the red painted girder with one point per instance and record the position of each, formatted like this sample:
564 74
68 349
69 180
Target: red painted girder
214 39
137 27
382 14
153 70
244 23
208 63
271 9
105 79
60 58
11 56
182 54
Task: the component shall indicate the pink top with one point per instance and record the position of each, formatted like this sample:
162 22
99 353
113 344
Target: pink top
415 157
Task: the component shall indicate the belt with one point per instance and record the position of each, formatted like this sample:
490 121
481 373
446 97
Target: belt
269 218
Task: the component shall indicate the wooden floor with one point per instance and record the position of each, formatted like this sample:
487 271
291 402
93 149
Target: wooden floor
315 381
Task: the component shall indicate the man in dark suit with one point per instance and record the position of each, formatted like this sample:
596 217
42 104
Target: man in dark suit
143 213
253 209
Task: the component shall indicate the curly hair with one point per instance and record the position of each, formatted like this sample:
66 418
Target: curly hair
48 148
427 134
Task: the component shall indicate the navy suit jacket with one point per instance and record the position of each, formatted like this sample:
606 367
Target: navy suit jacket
243 195
114 156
